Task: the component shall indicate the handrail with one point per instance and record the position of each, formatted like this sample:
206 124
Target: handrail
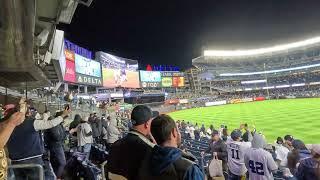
24 166
102 170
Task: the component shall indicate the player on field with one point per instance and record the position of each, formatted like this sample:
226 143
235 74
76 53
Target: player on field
236 149
258 161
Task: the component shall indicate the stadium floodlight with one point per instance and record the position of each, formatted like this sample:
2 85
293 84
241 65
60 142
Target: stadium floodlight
270 71
250 52
268 87
282 86
297 85
254 81
314 83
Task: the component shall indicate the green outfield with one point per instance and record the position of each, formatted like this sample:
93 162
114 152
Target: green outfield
298 117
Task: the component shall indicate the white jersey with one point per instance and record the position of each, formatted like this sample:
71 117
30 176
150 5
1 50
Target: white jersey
282 154
260 164
236 152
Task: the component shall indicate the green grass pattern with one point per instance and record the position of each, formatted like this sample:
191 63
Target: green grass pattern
297 117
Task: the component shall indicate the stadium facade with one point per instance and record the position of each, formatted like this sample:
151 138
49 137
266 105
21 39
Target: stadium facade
280 66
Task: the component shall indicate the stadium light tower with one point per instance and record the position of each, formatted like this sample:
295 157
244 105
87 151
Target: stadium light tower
266 77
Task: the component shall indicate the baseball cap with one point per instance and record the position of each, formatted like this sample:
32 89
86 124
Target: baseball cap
214 132
316 148
288 138
141 114
236 134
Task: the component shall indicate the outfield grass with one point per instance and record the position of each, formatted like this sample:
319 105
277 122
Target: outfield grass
297 117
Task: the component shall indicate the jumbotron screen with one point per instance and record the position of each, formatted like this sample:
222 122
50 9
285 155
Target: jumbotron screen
120 78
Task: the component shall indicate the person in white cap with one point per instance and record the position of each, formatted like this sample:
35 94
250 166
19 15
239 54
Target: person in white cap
309 168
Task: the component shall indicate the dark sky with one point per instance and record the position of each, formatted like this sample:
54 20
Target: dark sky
175 31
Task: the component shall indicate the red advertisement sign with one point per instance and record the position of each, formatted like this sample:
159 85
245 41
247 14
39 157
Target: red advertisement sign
70 74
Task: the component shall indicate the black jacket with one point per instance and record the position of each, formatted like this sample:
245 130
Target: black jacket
55 136
220 148
127 154
96 126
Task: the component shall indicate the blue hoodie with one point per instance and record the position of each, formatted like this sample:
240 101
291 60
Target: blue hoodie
163 157
307 169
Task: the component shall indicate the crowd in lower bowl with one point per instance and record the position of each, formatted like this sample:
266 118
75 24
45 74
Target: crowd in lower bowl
148 146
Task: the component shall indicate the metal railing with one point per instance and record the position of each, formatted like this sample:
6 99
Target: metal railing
103 170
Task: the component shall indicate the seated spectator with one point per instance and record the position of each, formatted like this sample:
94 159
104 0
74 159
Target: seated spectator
288 142
166 161
281 153
258 161
236 150
126 155
299 152
203 129
309 168
218 148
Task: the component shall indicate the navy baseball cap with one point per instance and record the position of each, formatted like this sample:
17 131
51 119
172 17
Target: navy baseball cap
236 134
288 138
214 132
141 114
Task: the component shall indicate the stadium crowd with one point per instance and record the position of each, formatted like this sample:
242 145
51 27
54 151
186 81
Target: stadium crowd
148 146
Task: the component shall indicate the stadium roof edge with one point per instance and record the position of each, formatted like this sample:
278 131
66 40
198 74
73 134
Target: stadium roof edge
261 51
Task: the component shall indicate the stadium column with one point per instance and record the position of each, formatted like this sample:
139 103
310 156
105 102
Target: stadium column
66 88
86 89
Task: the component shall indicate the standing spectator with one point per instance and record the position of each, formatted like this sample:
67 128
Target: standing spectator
236 150
309 168
281 153
25 145
258 161
218 148
299 152
85 139
288 142
166 161
225 136
113 132
54 139
126 155
96 126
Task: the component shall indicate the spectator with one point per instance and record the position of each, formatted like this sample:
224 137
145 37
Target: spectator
85 139
54 139
236 150
73 137
25 145
127 154
218 148
75 122
309 168
96 126
258 161
225 135
281 153
288 142
113 132
203 129
299 152
166 161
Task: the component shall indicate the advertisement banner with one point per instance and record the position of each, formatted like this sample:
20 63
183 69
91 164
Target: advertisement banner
150 76
70 74
150 84
259 98
166 82
215 103
178 81
172 74
120 78
247 100
183 101
88 80
110 61
69 55
235 101
87 66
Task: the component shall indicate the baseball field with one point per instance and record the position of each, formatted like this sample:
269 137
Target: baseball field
297 117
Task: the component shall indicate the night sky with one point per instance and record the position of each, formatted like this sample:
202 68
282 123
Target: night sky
176 31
